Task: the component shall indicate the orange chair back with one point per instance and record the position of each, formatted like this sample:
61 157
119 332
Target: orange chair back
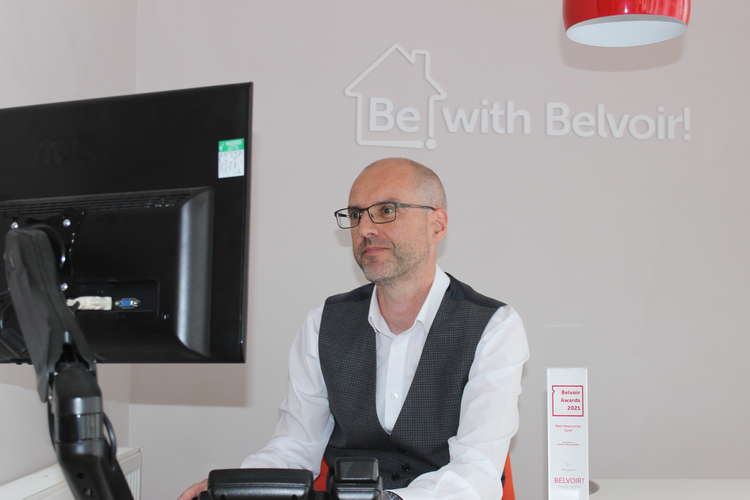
509 493
321 482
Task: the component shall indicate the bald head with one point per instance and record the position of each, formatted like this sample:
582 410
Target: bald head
425 182
405 251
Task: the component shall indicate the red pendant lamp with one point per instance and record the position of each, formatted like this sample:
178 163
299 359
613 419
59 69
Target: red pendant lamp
625 23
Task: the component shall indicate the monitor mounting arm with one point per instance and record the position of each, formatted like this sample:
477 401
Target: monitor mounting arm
65 367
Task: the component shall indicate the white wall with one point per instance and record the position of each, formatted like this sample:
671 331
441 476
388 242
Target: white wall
53 51
624 256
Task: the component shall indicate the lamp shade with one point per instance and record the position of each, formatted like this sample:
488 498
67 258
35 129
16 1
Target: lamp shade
625 23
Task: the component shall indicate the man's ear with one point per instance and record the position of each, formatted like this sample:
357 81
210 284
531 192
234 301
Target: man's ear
439 224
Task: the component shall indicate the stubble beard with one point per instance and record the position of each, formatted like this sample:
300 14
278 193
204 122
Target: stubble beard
400 264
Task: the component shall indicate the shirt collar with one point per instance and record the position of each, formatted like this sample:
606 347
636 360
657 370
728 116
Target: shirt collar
427 312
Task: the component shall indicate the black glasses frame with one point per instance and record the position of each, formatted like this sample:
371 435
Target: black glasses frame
396 205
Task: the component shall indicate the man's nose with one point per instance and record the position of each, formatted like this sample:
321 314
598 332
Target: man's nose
366 227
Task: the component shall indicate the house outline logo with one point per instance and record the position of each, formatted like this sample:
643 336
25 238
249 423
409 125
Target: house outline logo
439 94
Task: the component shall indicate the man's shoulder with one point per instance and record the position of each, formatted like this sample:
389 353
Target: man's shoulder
359 294
461 290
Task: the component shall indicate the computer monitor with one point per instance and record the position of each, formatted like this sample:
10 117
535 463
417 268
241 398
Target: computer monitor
145 198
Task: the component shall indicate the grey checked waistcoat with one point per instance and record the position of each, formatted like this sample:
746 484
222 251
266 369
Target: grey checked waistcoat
430 414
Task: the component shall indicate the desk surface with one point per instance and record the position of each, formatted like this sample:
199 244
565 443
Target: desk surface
50 482
672 489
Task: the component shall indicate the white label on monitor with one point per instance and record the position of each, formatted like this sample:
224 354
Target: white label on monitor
231 158
568 433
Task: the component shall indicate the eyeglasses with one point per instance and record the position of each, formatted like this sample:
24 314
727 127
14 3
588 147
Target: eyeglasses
380 213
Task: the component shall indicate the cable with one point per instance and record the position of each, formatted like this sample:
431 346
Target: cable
111 438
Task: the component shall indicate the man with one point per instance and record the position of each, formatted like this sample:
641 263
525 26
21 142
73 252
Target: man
419 370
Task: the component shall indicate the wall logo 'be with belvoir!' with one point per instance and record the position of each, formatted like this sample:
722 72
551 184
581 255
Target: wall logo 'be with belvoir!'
399 103
406 120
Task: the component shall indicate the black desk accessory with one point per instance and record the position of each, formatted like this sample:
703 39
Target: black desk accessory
353 479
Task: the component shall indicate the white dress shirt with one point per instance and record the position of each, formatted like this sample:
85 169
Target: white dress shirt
489 405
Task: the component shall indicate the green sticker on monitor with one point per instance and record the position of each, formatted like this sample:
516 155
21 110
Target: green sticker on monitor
231 158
